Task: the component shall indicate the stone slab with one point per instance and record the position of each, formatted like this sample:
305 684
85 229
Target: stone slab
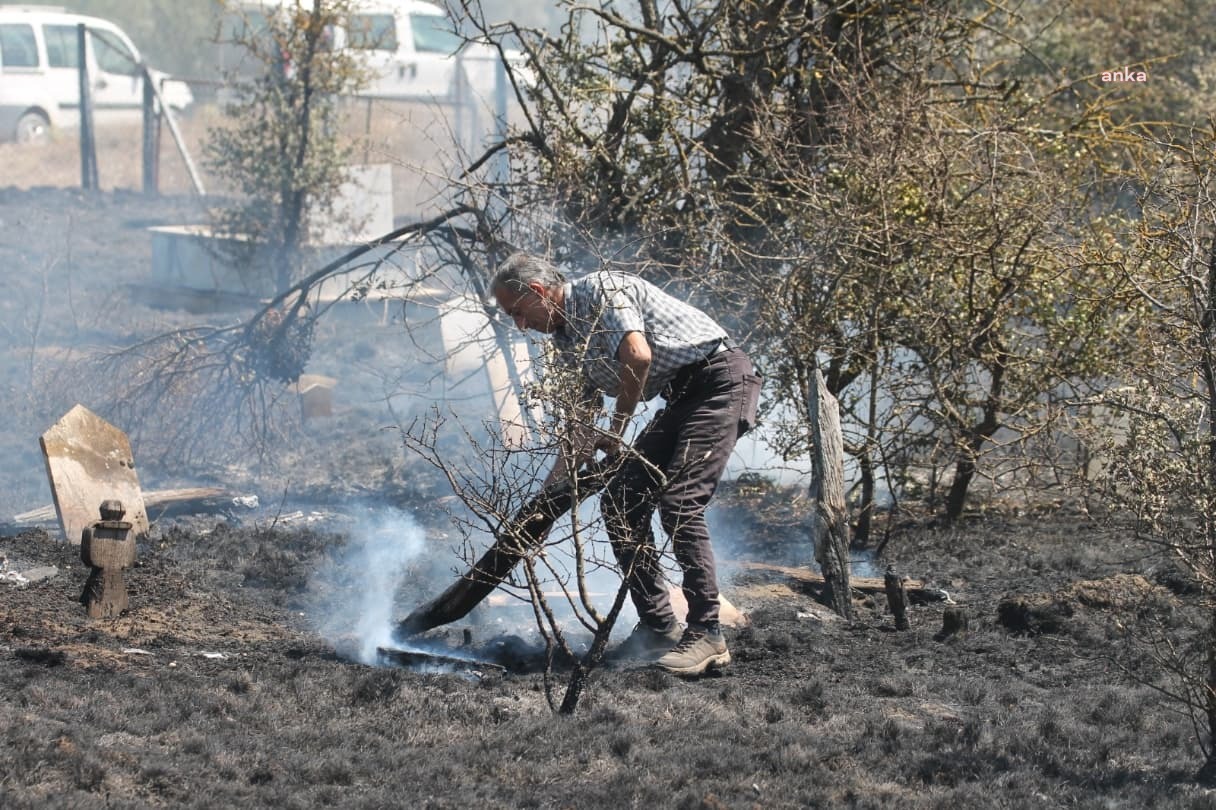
728 614
362 208
88 460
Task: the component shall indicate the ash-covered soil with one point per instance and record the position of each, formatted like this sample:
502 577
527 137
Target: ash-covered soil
213 690
235 676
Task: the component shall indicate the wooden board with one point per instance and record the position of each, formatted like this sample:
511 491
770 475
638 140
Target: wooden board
88 461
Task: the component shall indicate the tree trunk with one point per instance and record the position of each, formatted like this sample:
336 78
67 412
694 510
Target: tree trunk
964 472
1208 368
865 514
827 493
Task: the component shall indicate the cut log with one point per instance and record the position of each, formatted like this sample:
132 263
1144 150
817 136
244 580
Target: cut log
827 493
728 614
954 622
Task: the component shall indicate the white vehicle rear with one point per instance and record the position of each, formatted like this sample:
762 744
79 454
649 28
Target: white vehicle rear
39 72
411 52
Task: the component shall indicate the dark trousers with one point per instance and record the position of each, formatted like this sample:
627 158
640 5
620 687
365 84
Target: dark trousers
688 443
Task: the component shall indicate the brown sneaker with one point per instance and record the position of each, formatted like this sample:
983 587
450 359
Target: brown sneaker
699 649
646 643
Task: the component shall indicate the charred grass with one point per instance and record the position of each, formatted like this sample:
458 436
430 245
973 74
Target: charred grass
810 714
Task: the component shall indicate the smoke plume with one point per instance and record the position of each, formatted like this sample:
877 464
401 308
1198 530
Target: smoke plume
355 590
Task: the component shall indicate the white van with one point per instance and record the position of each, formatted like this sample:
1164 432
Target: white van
411 52
39 73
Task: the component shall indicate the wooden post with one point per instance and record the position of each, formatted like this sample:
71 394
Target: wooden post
151 140
109 547
954 621
167 115
88 147
827 493
897 598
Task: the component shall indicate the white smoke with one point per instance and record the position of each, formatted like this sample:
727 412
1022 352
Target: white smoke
355 590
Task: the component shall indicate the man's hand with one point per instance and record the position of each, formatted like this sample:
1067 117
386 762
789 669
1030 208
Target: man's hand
610 445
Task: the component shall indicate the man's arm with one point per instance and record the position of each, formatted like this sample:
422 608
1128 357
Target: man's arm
635 358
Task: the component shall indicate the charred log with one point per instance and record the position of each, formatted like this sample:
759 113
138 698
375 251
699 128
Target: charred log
897 598
522 535
954 622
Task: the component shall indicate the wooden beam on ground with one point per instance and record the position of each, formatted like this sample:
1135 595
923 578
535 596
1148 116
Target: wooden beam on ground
156 504
916 589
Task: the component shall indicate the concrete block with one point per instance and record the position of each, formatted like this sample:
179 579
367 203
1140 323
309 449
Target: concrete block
363 207
316 392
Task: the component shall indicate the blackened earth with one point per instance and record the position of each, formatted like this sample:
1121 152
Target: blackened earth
216 690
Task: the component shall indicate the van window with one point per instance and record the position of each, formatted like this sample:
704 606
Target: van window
62 48
112 54
433 34
372 32
17 46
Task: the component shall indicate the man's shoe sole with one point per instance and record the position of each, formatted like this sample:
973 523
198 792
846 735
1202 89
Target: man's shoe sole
712 662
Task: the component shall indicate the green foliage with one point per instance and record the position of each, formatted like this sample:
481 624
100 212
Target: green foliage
1156 434
279 148
172 35
902 193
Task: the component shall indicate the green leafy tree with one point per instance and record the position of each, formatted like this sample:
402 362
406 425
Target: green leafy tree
889 191
173 35
280 150
1158 446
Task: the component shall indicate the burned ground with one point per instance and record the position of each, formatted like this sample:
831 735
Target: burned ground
216 689
213 691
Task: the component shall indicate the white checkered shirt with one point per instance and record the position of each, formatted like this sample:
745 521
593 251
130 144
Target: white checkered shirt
602 307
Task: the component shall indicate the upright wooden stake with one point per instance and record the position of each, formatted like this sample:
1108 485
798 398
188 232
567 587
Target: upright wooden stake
108 547
827 493
897 598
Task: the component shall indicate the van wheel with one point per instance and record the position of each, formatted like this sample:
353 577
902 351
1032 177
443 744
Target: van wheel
33 128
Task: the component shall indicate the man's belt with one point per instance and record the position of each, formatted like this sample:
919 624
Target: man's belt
679 383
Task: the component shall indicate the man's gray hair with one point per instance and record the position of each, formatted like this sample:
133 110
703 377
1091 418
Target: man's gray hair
521 269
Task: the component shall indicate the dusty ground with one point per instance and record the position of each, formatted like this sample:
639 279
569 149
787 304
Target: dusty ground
216 690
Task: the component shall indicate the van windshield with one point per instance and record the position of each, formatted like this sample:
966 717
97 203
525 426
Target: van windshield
433 34
113 55
372 32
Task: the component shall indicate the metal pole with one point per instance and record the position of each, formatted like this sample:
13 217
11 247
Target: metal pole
151 141
458 103
502 175
88 149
